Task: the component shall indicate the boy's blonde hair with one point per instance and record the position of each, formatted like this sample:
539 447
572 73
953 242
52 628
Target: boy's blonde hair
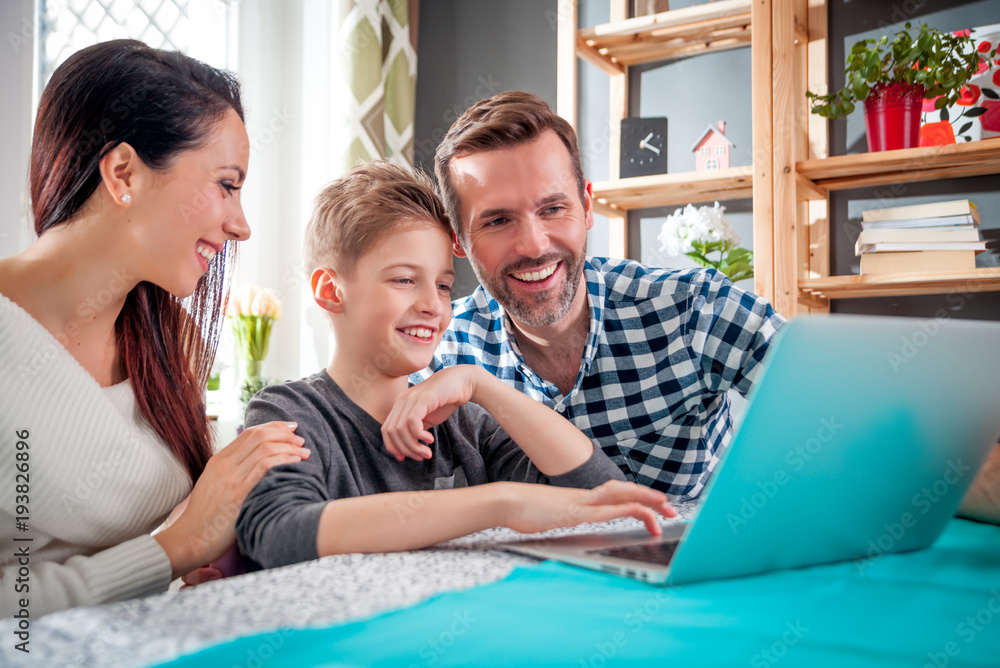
370 201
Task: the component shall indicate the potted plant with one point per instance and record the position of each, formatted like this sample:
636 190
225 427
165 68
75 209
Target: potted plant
253 312
893 78
699 232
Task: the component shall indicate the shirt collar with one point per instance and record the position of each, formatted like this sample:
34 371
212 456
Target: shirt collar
596 292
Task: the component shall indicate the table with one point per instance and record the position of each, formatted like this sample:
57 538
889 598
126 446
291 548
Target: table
312 594
464 603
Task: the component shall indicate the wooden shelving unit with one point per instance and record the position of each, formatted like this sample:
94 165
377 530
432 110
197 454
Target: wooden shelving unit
882 285
668 35
614 198
614 47
792 176
904 166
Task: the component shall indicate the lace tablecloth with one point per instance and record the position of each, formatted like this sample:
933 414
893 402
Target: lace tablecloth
316 593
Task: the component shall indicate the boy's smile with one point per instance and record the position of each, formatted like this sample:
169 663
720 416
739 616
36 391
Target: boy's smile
397 302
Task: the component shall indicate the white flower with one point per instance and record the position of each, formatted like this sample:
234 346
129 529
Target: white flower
252 300
265 304
688 225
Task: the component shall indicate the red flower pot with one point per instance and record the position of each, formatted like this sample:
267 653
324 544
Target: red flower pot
892 116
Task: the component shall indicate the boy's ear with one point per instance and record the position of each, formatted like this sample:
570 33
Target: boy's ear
326 290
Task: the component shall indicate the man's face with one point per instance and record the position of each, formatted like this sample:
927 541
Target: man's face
524 227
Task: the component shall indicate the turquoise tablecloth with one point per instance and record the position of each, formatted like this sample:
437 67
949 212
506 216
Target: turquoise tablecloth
936 607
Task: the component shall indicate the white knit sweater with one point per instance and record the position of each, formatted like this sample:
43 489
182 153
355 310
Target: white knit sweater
99 479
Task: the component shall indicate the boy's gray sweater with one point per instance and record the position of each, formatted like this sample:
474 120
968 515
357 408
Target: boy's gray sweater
279 521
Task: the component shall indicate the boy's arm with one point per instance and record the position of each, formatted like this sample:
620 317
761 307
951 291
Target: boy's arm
280 517
397 521
553 443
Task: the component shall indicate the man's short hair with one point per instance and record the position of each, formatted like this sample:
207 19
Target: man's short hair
502 121
359 209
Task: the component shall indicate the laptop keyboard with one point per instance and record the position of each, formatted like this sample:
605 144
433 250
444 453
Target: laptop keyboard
653 553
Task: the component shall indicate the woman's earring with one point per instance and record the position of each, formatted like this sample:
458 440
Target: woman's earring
126 198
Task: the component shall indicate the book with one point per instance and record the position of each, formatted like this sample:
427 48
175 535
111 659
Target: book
938 221
892 246
917 262
956 207
919 235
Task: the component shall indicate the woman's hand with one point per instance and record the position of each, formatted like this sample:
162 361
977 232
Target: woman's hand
424 406
535 508
207 527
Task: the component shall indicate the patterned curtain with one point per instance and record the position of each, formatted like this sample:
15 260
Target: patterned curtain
379 65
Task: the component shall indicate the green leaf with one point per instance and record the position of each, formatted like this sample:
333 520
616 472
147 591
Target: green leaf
740 255
702 260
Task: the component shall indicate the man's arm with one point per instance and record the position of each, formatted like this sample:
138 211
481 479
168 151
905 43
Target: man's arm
982 501
730 330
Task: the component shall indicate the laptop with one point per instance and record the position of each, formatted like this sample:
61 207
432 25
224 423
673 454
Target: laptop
861 436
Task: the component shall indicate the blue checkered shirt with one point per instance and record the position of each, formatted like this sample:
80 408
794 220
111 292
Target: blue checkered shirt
664 348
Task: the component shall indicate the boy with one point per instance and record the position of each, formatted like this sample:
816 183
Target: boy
394 468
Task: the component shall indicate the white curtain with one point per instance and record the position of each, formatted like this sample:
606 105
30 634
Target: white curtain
326 82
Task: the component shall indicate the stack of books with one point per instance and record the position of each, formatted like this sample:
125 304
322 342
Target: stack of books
940 236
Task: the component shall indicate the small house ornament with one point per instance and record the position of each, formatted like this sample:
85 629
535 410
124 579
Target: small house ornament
711 151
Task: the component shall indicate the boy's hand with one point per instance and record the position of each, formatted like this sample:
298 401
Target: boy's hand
424 406
541 507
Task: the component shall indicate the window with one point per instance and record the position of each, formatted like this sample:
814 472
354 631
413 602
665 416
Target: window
720 150
204 29
711 164
703 150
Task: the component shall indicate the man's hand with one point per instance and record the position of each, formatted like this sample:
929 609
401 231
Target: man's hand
982 501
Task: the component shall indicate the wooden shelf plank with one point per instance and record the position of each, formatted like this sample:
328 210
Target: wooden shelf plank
894 285
643 192
903 166
674 34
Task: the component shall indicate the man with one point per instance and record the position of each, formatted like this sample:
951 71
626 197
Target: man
640 359
982 501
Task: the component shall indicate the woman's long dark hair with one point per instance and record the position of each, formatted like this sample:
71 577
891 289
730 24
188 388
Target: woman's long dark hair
161 103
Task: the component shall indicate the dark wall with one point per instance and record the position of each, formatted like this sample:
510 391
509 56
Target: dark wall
470 49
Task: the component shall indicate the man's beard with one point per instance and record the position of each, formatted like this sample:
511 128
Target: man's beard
543 308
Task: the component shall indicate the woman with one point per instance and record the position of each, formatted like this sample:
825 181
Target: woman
136 165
